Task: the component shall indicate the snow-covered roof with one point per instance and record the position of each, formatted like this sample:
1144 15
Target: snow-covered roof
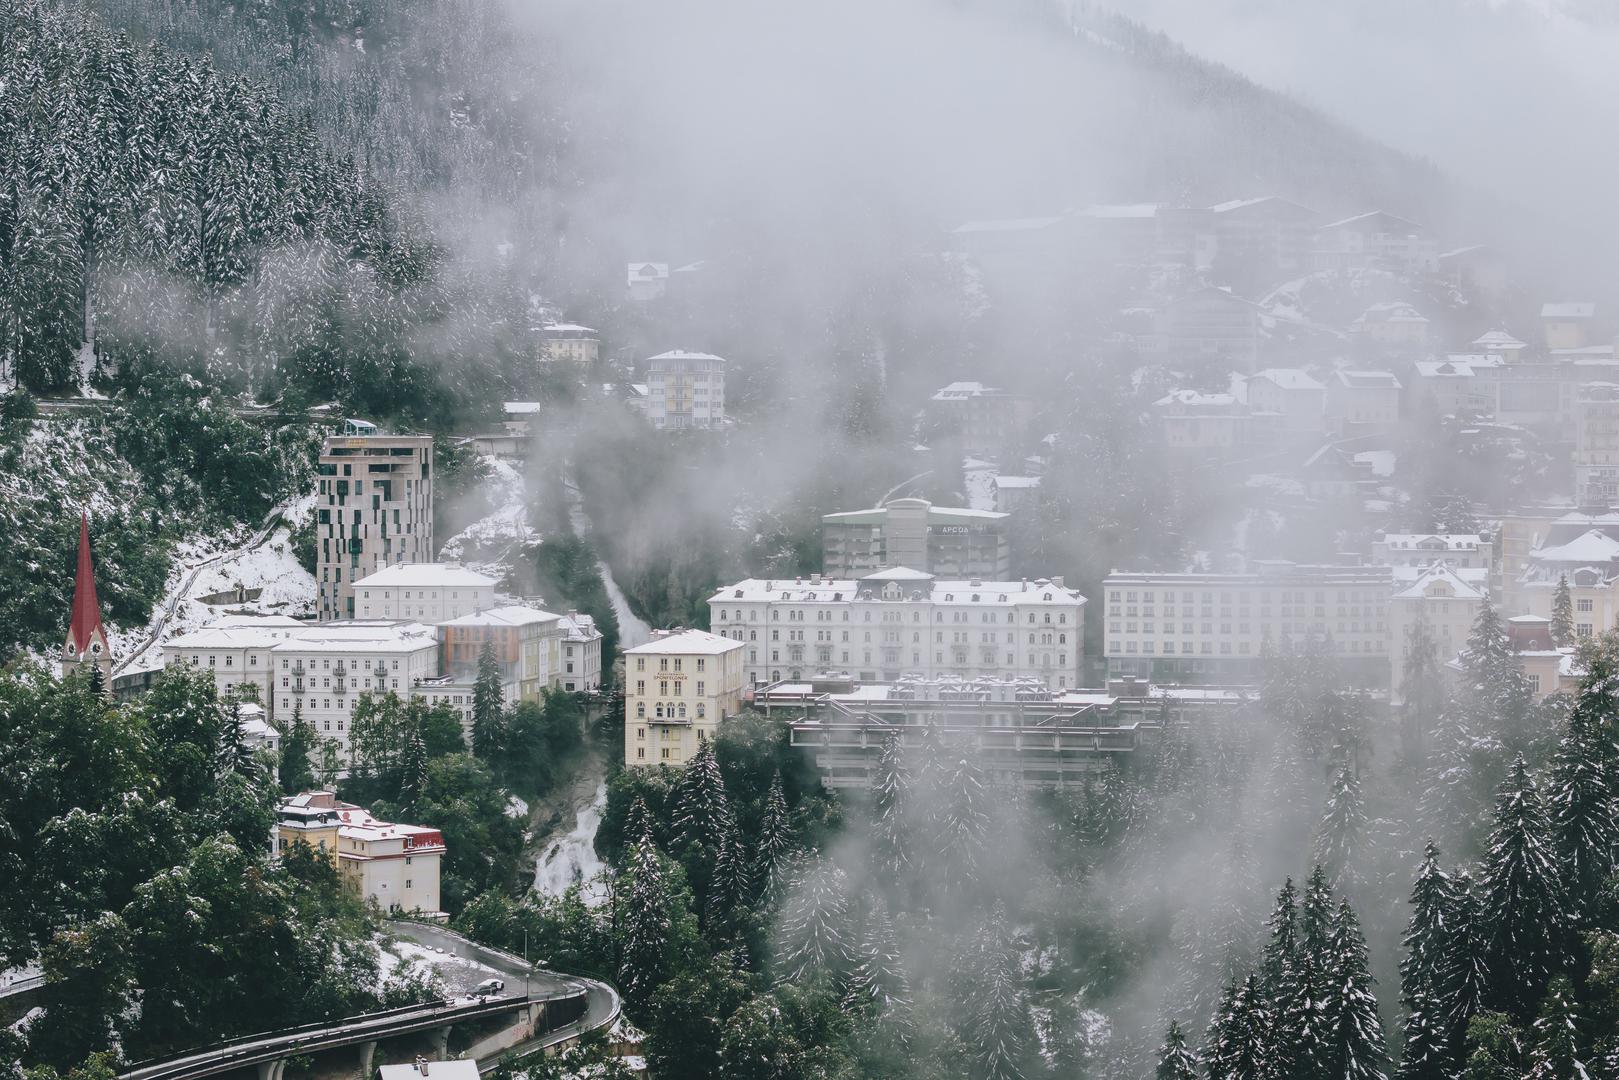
522 408
1433 541
1196 399
509 615
686 642
1592 547
960 391
1568 310
426 576
259 634
577 626
1004 481
1263 200
1366 380
1497 341
1288 378
842 590
564 329
1120 210
1442 575
1366 220
1390 311
369 636
682 354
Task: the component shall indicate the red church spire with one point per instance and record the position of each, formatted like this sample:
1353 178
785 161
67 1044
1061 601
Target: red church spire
86 625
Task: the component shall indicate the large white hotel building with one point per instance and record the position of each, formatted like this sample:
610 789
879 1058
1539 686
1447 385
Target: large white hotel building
1215 627
900 622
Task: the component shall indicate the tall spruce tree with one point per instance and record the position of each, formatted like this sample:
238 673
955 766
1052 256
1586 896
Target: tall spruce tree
1467 973
297 771
644 918
774 851
890 837
1239 1047
1429 934
1421 693
1343 827
488 707
1002 1030
1583 806
1427 1053
1525 926
1562 627
1353 1045
1558 1052
963 828
879 985
702 807
1176 1061
813 937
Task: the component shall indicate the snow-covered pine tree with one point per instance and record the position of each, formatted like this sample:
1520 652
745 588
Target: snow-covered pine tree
728 885
1562 627
963 827
1426 1054
701 805
1281 980
1466 973
1525 924
773 854
1343 826
1421 697
1301 1032
1493 686
1429 934
1353 1045
1002 1028
638 824
1583 806
412 767
879 986
1176 1061
643 919
1558 1053
488 707
890 836
1239 1047
813 935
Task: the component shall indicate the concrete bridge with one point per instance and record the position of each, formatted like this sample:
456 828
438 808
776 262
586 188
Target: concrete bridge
542 1009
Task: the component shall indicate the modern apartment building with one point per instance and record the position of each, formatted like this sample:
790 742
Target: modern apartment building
424 591
373 508
902 622
527 644
1596 443
678 686
396 866
685 390
950 541
1215 628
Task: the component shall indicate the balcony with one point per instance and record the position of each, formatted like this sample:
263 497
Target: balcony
297 686
340 686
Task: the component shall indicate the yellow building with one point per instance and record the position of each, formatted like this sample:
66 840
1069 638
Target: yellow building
678 686
1568 325
396 866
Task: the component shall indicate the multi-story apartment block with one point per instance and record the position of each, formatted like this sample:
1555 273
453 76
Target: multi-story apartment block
946 540
1361 402
1217 627
527 644
1375 240
982 417
685 389
569 343
1596 444
581 653
324 670
396 866
424 591
1394 325
236 651
677 687
373 508
1294 395
902 622
1208 328
1461 550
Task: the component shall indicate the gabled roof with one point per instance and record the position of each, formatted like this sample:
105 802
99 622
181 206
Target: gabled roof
509 615
687 642
85 624
1498 340
1288 378
682 354
1592 547
1266 202
898 573
1366 220
1366 380
1440 573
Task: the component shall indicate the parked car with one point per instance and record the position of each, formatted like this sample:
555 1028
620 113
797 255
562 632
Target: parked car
488 987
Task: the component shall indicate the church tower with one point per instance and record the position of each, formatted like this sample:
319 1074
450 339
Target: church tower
86 644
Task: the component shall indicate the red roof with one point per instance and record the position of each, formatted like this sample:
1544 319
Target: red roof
86 624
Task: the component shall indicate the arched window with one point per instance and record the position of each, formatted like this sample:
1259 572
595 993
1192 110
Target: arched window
640 710
682 710
658 711
701 710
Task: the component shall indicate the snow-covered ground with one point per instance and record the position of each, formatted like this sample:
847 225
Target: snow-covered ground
980 479
572 857
459 974
491 540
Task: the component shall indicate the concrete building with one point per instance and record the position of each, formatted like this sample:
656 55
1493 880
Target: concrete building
1190 628
1596 444
1568 325
581 653
1015 493
1294 395
1208 328
236 651
1458 550
395 866
569 343
1443 600
1375 240
685 390
1271 231
1501 344
424 591
946 540
527 644
982 417
677 687
324 670
647 280
373 508
903 622
1361 402
1461 384
1582 547
1193 422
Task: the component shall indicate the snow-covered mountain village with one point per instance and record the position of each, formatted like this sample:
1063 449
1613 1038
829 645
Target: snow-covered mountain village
569 542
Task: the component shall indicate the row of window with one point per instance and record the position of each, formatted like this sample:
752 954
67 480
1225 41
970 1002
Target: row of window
797 615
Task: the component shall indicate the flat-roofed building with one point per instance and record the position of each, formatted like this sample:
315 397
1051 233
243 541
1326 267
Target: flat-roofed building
324 670
423 591
1596 444
944 540
373 508
685 390
235 650
903 622
527 643
393 865
677 687
1180 627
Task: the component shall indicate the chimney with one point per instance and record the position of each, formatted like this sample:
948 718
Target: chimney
1057 581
